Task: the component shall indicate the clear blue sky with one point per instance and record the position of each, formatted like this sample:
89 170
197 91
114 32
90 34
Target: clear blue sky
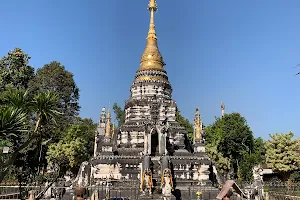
241 52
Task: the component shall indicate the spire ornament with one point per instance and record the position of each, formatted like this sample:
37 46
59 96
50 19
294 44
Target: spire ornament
107 128
112 130
108 113
152 5
151 58
197 126
103 115
223 109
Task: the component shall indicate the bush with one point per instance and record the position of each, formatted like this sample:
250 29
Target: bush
295 177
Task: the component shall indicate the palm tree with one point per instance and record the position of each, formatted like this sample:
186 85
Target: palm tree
13 122
17 99
13 113
44 105
16 108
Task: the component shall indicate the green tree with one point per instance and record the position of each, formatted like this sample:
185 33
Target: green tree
186 124
54 77
28 118
75 146
282 153
295 176
259 151
85 129
228 141
120 114
15 71
44 106
245 168
222 163
13 122
22 121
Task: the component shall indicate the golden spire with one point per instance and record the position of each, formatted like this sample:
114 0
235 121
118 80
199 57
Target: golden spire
108 113
107 130
197 126
151 58
113 130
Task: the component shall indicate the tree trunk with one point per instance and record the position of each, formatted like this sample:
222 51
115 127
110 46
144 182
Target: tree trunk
37 124
40 156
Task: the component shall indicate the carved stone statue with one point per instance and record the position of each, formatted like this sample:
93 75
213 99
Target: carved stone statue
148 128
162 129
166 177
146 176
82 178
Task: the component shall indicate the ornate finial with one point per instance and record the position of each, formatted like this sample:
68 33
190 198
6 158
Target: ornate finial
152 5
103 115
108 112
107 129
197 126
223 108
151 58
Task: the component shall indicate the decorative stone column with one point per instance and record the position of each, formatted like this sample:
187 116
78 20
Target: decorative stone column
160 143
166 151
149 143
146 144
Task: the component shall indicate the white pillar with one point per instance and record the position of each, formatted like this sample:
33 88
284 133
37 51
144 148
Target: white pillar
145 143
159 143
95 145
149 143
165 144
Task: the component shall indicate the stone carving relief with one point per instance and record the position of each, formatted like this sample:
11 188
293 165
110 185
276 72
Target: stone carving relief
146 176
166 177
83 177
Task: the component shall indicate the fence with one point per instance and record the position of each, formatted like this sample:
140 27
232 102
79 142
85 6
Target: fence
282 190
130 190
18 192
117 189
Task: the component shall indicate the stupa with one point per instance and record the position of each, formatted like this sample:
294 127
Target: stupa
151 146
